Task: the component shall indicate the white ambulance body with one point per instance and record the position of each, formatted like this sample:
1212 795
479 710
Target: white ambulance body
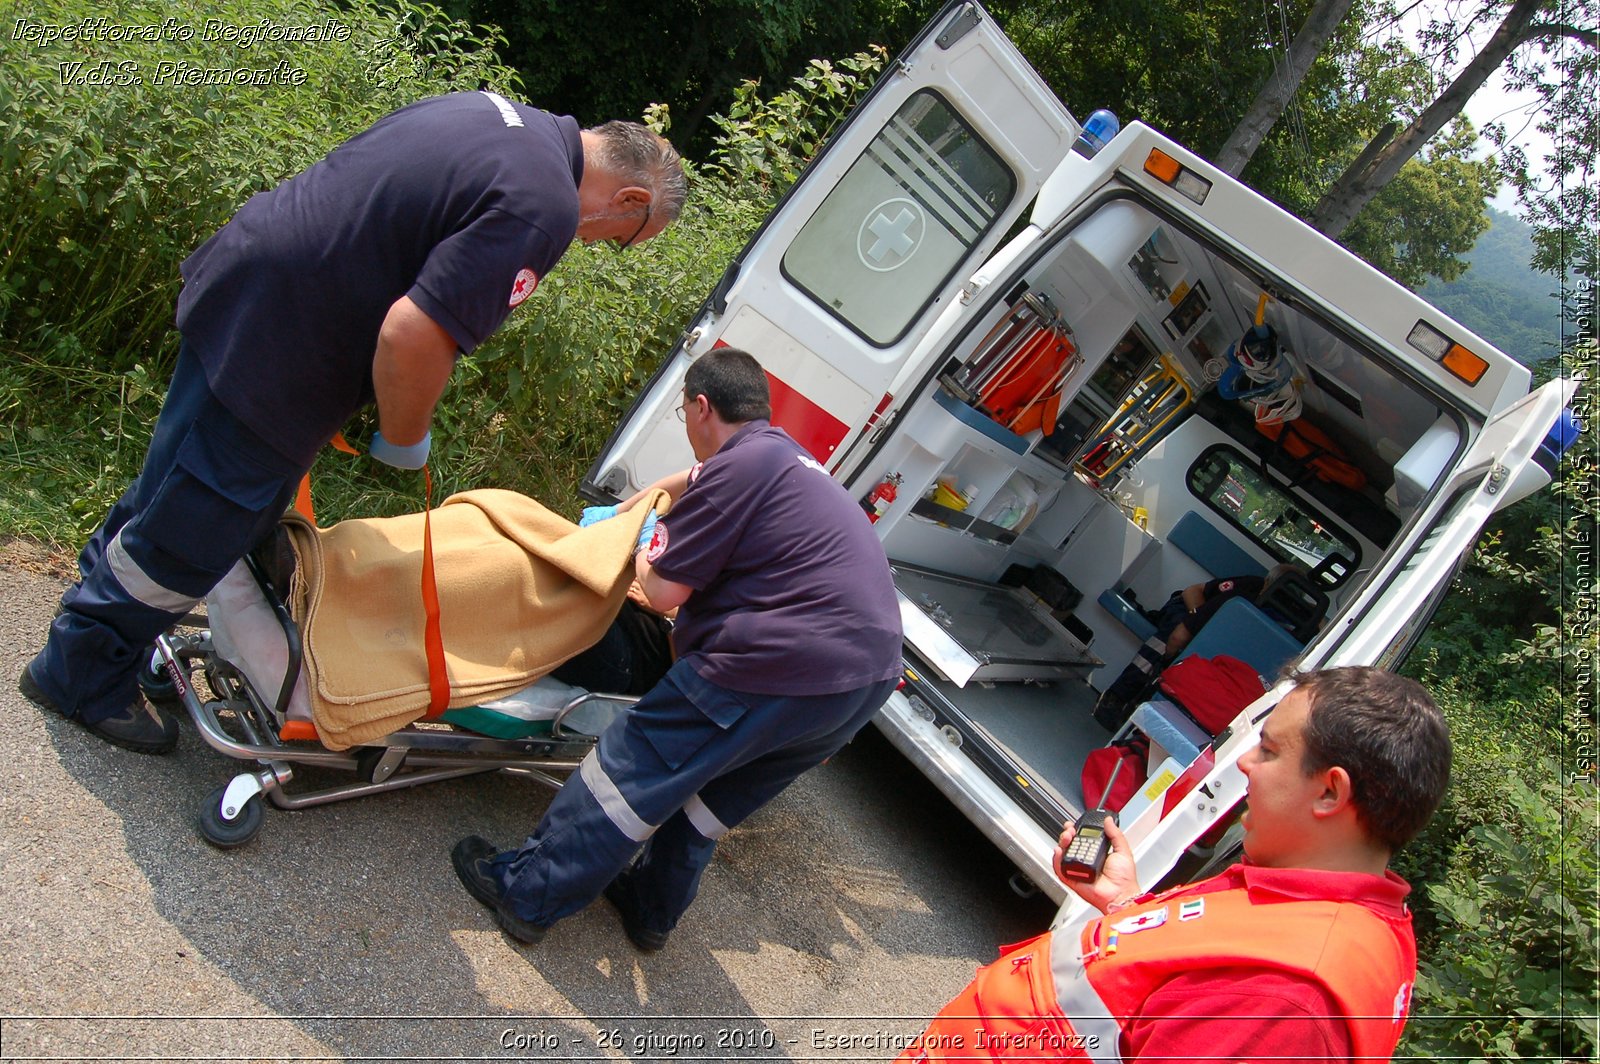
909 300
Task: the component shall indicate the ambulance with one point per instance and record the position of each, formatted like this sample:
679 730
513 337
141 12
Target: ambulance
1068 372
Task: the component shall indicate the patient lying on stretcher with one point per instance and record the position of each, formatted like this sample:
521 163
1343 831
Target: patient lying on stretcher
524 595
632 655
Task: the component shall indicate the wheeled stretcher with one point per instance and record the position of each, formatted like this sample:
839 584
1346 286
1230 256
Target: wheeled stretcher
252 720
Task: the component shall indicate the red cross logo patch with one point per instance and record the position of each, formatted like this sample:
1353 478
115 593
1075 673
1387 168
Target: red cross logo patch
658 543
1130 925
524 285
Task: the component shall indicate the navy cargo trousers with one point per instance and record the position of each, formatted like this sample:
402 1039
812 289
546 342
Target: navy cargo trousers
690 761
210 490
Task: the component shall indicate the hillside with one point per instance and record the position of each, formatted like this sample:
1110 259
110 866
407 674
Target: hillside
1500 297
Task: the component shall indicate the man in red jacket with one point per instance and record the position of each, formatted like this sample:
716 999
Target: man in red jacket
1304 952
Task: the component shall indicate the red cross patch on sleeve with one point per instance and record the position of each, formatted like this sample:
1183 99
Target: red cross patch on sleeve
658 543
524 285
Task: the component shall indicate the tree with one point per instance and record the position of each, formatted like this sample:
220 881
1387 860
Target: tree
1431 213
1277 90
1523 23
612 58
1562 203
1119 55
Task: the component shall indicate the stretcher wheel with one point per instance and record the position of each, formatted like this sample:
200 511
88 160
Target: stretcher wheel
155 683
226 834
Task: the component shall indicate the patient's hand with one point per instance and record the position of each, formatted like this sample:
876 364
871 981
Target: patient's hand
636 594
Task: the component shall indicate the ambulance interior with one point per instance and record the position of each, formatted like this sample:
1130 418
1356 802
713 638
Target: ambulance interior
1166 463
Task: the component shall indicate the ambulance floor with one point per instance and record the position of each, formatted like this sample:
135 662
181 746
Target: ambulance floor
1050 729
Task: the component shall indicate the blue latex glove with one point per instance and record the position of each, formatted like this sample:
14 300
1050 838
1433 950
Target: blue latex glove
646 532
410 457
593 515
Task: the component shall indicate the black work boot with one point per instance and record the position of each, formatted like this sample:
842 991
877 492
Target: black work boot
142 728
471 858
622 894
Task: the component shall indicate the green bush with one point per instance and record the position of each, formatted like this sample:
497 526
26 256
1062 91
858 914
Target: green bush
1513 975
1491 741
114 167
109 188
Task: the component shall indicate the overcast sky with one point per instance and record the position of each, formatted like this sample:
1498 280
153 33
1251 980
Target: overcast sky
1493 102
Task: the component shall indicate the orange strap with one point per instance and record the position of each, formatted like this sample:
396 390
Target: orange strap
302 500
438 681
302 496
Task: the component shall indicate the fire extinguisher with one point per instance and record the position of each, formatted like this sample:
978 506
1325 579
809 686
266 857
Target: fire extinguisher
878 501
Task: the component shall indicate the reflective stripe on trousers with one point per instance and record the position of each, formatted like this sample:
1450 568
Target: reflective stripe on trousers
687 763
209 491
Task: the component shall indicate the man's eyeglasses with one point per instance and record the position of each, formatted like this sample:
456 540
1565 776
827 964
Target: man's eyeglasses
624 244
683 412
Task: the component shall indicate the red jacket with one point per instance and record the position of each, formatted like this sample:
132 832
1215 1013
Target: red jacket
1334 942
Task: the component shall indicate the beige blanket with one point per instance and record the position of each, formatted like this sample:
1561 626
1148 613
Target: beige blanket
521 589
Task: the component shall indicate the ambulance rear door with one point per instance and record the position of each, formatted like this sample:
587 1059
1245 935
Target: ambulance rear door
908 197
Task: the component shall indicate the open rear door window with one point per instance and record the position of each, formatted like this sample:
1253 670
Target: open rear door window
848 274
902 219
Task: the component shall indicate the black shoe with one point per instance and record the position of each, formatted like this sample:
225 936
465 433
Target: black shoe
142 728
620 893
471 858
1111 713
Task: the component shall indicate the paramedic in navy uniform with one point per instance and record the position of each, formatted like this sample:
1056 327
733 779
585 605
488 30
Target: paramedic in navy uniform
788 641
360 280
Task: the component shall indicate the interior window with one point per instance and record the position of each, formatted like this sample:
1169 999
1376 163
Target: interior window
1288 528
901 219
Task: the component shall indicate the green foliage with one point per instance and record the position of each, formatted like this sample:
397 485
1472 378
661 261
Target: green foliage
1429 214
1561 67
106 187
529 411
763 144
1492 738
690 54
1189 69
1514 974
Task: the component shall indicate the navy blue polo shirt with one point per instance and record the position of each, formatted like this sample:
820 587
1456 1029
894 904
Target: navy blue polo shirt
461 202
792 591
1217 592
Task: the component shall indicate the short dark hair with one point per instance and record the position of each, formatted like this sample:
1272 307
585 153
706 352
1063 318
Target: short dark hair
1388 734
733 382
638 156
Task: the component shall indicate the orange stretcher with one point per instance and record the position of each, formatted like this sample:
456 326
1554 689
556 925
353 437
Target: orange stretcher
1315 450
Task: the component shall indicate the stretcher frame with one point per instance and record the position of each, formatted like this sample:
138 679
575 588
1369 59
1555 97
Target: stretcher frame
239 722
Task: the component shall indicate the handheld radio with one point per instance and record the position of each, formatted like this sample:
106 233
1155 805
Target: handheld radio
1086 854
